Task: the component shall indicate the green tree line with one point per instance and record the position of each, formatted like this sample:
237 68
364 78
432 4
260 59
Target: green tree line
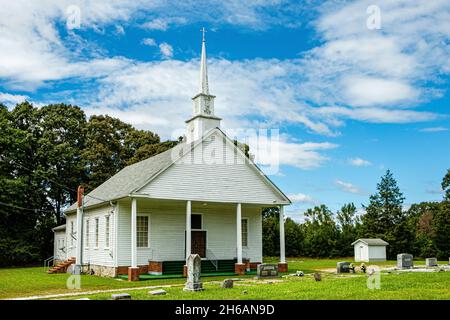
423 229
45 153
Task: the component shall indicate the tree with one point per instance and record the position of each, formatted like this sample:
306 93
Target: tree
20 187
441 228
112 144
348 224
446 185
384 217
271 231
320 232
61 143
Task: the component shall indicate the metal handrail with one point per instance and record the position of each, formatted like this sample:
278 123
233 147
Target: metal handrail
211 257
47 262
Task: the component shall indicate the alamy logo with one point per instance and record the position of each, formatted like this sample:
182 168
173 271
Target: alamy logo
373 22
73 17
374 279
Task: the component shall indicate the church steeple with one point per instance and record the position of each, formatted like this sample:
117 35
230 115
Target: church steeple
203 69
203 118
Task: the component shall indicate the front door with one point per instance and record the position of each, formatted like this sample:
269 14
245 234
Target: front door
198 243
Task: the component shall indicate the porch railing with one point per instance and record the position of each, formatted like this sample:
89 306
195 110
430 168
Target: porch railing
47 262
211 257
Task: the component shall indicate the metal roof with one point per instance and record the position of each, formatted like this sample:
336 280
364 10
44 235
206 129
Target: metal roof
372 242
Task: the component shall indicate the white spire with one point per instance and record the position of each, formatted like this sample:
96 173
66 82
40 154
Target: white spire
203 118
203 70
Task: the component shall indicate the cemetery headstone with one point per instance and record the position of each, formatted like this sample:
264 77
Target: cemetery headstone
120 296
227 283
431 262
159 292
343 267
267 270
194 265
405 261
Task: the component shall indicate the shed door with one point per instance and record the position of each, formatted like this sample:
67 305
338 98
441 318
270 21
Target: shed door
364 252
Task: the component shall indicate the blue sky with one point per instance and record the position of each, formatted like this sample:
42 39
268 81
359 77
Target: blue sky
349 101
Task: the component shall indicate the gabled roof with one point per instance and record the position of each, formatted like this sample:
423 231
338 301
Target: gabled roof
134 177
372 242
128 179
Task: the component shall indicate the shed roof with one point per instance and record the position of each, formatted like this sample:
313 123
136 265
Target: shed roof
372 242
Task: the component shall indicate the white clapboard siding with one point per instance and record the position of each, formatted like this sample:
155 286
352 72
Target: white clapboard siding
103 254
167 233
212 176
60 249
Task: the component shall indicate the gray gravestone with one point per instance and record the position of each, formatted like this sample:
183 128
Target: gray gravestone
343 267
157 292
431 262
267 270
194 266
227 283
121 296
405 261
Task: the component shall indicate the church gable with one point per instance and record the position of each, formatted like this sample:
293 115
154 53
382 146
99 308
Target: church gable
214 170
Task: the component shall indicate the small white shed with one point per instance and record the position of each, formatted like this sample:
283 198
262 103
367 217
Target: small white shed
369 250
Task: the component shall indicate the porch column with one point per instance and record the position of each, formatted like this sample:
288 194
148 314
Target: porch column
188 234
239 267
188 228
79 239
133 271
282 265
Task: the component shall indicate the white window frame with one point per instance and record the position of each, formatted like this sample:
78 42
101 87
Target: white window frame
148 231
107 232
247 232
87 234
97 230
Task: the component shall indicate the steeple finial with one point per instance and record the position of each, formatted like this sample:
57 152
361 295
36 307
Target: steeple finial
203 70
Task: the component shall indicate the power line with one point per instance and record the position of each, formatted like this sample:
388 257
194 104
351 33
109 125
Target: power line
51 180
22 208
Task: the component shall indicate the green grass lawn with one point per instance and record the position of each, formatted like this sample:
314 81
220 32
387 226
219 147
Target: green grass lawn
22 282
392 286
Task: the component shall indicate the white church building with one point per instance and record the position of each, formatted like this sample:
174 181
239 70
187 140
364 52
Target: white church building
203 196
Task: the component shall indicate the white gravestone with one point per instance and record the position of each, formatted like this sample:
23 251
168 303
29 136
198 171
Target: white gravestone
431 262
194 266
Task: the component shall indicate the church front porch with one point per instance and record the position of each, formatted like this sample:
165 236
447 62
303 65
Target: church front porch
227 236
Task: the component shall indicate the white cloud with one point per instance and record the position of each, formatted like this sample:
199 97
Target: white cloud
358 162
369 91
303 198
12 99
358 74
434 129
166 50
149 42
162 24
348 187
